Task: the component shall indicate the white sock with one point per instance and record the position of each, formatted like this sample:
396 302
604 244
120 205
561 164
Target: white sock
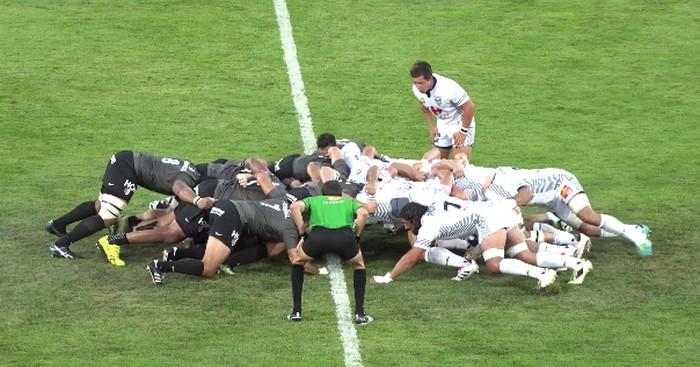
539 226
564 238
560 237
444 257
554 261
611 224
517 267
550 260
552 217
557 249
536 236
604 233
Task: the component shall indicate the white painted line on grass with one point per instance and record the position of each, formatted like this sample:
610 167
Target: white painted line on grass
346 327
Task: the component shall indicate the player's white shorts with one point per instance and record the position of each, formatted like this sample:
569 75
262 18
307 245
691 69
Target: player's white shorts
443 137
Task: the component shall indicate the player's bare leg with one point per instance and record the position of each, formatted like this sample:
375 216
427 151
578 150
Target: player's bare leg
466 150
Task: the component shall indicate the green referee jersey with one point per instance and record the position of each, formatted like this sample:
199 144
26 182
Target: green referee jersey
331 211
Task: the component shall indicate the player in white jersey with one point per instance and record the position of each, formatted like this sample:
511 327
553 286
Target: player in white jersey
448 110
498 232
559 191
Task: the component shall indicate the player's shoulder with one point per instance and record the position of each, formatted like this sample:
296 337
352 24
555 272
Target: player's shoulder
446 83
416 92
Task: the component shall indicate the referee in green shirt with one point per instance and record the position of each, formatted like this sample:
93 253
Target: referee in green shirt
331 218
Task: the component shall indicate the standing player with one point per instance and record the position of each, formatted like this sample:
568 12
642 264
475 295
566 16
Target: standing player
125 172
448 110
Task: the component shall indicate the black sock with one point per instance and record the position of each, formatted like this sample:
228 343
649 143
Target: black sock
359 278
246 255
186 266
297 286
80 212
118 239
84 229
196 252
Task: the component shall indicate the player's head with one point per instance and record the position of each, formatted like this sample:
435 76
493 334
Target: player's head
411 215
325 140
422 75
332 188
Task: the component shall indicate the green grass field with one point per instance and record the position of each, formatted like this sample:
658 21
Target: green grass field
606 89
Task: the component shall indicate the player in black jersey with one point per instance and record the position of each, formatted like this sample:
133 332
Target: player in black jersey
125 172
228 220
189 221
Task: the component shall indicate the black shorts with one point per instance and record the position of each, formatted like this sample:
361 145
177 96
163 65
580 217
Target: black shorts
284 168
339 241
225 223
191 219
341 166
120 176
207 187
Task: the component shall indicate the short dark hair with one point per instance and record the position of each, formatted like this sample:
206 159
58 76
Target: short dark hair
421 68
325 140
332 188
413 212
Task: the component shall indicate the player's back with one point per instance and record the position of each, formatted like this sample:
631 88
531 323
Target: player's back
158 174
269 219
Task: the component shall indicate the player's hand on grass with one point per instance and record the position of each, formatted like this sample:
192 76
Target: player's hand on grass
383 279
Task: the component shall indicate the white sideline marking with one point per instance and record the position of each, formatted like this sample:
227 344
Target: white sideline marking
346 327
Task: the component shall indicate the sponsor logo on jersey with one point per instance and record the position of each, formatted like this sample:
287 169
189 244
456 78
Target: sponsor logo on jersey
217 211
129 187
285 210
436 111
565 192
438 100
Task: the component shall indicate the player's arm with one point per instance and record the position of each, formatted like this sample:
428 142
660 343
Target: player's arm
361 216
408 171
185 193
447 165
523 196
430 119
467 114
297 209
406 262
372 179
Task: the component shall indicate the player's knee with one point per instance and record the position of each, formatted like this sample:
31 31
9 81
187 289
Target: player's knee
492 258
493 266
517 250
110 207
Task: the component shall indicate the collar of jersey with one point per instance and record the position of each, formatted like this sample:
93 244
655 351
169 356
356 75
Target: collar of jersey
431 89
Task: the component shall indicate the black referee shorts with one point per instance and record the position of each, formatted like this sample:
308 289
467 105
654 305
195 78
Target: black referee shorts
339 241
